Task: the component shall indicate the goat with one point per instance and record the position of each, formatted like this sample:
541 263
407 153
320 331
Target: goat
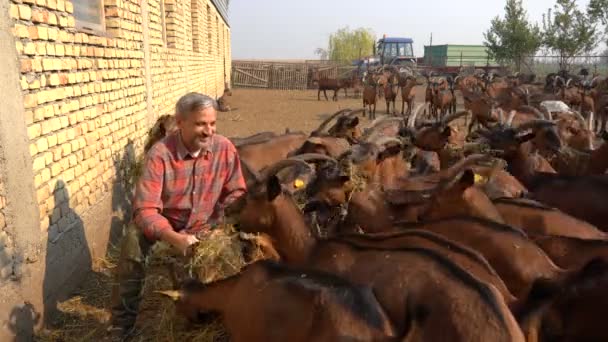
253 139
407 94
374 210
391 87
409 283
518 267
263 154
444 101
571 252
222 101
585 192
369 95
535 218
574 310
469 259
164 125
312 305
325 83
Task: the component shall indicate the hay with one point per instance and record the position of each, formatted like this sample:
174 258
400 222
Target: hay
85 316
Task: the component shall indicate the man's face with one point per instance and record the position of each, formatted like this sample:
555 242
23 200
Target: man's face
198 128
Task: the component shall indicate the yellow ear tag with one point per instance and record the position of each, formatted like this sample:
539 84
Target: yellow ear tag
298 183
479 179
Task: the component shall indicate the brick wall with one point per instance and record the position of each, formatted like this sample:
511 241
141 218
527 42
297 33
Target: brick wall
86 95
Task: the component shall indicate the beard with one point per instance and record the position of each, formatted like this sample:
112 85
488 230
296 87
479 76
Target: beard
203 141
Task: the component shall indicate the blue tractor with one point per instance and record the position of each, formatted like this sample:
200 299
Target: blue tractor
391 51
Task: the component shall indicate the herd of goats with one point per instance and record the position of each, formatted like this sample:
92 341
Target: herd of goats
410 228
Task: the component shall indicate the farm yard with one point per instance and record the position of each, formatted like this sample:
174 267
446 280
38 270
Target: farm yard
85 314
476 214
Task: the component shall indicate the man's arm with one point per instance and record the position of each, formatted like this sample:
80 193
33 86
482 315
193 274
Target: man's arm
148 205
234 183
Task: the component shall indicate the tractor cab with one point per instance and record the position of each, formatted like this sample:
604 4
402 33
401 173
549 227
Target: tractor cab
389 49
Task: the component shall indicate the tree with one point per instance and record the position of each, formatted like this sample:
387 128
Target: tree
346 44
511 39
323 54
598 11
569 32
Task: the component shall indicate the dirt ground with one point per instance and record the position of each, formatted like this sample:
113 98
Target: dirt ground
84 316
257 110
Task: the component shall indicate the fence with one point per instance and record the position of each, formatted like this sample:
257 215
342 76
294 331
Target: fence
284 75
299 75
543 65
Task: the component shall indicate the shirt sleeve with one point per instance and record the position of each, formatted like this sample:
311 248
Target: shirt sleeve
234 183
147 206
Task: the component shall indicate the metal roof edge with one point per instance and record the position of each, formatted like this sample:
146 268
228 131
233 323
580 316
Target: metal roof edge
222 7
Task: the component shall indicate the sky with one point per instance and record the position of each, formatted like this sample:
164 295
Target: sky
293 29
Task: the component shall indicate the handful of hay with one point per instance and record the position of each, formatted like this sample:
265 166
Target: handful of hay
218 255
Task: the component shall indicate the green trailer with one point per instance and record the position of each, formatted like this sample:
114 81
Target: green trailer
451 58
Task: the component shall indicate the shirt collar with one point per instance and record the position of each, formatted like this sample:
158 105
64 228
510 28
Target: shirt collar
182 151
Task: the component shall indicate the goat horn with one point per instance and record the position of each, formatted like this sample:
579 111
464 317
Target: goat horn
580 118
378 124
411 122
452 173
510 118
173 294
591 121
535 124
280 165
381 141
451 117
248 168
355 112
593 81
322 126
530 109
516 74
501 116
568 82
313 157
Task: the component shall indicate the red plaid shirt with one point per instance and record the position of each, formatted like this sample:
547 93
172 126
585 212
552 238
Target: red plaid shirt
180 192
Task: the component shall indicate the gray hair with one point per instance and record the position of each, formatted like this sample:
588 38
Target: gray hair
192 102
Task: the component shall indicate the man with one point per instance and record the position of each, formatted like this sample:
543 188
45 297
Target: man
188 178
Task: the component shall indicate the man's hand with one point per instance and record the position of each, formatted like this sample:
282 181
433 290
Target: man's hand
179 241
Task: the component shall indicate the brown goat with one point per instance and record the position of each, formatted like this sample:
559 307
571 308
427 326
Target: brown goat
164 125
535 218
263 154
574 310
311 305
369 95
391 87
586 194
469 259
517 266
408 94
411 287
570 252
222 102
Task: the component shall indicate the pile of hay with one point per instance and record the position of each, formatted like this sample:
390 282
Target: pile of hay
84 316
220 254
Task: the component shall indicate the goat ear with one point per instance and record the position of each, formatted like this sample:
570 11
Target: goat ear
344 179
468 178
353 122
273 188
447 131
